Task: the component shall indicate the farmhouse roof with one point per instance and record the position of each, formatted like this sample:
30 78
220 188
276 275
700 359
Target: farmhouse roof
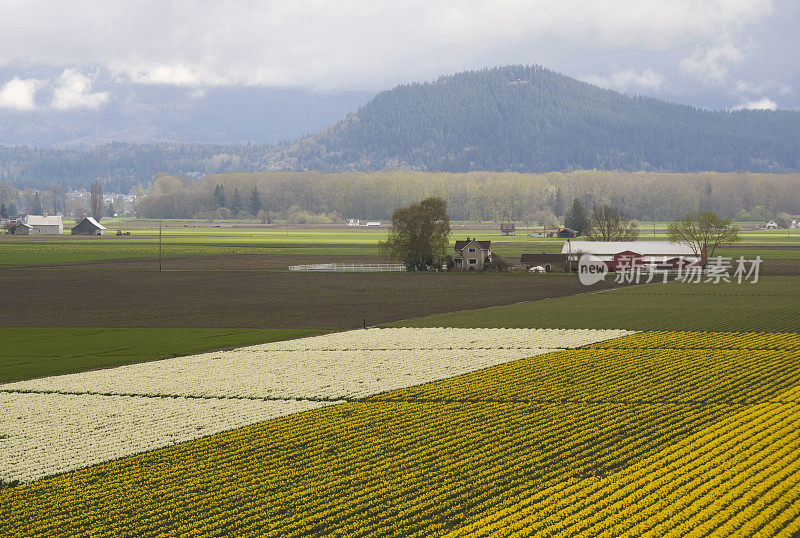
40 220
485 245
645 248
96 224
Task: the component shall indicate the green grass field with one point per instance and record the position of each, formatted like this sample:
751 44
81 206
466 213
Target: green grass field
770 305
36 352
195 240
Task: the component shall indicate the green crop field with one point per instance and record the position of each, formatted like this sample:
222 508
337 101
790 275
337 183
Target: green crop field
37 352
179 240
770 305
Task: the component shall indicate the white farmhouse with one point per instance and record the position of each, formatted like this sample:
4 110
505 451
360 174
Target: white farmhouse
44 225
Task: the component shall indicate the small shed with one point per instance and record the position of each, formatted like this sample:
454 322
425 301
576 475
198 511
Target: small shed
550 262
508 228
89 226
22 229
567 233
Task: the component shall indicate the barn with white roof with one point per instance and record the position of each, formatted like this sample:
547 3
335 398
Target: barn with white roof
44 225
662 254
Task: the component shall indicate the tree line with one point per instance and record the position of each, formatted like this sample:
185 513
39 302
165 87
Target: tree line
536 199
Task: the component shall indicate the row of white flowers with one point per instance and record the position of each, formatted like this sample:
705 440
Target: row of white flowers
99 417
446 338
45 434
378 365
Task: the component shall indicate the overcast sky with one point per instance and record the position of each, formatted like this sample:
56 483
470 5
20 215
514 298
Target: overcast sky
711 53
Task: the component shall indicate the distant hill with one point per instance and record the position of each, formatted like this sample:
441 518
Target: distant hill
531 119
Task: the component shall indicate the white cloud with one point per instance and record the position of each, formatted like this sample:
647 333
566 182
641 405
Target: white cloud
744 87
712 64
327 44
74 90
624 80
19 94
764 103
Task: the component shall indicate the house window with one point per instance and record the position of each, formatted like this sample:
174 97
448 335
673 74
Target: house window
473 261
472 250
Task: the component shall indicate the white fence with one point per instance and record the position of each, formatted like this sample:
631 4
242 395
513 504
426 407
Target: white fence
350 267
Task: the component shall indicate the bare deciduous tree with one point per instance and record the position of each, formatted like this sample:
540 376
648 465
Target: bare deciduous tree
609 224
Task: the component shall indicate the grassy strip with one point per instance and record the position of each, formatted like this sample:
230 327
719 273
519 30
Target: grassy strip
37 352
767 306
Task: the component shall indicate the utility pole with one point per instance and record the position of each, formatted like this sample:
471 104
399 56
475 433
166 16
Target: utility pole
159 245
569 256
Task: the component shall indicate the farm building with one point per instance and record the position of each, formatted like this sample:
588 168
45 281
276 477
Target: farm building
567 233
508 229
22 229
88 226
44 225
472 254
662 254
553 232
543 232
550 262
771 225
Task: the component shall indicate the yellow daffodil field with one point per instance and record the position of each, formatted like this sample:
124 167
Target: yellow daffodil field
497 434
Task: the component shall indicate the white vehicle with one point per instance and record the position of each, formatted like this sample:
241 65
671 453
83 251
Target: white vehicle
537 269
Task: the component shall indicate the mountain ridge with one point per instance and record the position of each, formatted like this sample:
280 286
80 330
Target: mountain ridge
532 119
511 118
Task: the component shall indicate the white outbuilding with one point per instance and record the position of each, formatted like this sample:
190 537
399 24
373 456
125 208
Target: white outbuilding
45 225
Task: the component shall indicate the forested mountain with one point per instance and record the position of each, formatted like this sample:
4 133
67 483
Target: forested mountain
514 118
120 166
531 119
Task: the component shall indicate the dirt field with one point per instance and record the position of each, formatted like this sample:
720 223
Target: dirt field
95 295
238 262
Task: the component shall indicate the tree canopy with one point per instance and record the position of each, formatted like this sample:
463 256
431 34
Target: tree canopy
703 230
420 234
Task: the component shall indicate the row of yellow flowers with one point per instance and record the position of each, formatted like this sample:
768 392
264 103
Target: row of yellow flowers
739 476
705 340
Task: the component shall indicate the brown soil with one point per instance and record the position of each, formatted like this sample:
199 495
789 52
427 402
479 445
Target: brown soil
238 262
91 295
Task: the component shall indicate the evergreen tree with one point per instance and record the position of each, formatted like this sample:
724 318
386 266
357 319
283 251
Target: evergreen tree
218 199
577 218
558 203
37 204
236 202
3 211
110 210
254 204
